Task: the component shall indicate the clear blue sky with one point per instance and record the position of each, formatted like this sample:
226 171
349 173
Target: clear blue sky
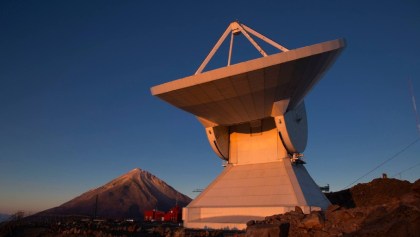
76 110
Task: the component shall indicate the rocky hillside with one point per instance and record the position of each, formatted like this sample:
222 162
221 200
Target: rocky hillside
383 207
127 196
376 192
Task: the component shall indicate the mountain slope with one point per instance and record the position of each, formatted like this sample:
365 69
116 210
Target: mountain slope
127 196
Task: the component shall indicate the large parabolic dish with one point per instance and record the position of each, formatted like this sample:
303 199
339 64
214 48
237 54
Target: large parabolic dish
255 118
246 91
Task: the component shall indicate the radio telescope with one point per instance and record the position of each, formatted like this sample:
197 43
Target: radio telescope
255 119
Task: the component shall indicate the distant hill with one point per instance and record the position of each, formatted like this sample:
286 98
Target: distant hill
127 196
4 217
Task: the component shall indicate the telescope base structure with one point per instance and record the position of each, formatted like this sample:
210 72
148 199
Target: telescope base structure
252 192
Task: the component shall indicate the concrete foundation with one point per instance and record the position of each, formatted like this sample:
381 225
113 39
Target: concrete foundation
252 192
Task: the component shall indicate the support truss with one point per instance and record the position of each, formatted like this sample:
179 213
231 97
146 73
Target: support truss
236 28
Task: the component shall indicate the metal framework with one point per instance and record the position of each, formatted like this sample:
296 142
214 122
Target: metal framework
236 28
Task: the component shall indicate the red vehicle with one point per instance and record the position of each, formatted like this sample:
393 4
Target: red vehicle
154 215
173 215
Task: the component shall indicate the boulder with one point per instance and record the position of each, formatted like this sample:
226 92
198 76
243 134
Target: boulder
313 221
268 230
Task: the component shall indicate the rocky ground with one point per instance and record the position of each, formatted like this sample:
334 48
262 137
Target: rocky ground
382 207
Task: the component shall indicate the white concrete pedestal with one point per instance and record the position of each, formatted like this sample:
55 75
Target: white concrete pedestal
252 192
